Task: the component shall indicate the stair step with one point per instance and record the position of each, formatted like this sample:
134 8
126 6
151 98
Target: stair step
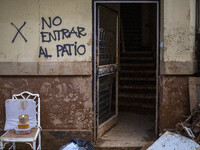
134 90
138 107
136 83
136 61
138 79
136 53
134 104
137 58
138 71
138 87
140 48
145 52
129 74
133 29
134 67
132 43
138 64
134 80
137 95
132 37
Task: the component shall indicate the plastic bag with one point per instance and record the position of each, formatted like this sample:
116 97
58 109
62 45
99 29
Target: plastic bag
77 145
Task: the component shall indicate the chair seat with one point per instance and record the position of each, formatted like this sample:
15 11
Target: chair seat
11 136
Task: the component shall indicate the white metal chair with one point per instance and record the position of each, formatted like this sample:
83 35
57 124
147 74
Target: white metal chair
31 139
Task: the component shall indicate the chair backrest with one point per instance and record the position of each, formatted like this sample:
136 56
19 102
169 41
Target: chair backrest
34 97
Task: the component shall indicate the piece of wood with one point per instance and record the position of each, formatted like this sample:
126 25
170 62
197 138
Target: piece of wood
193 83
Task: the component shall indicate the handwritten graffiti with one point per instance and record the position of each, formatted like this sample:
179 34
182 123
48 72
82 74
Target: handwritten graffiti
49 24
69 49
62 34
44 52
18 31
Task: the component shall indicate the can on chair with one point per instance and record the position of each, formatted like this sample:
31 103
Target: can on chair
23 122
23 125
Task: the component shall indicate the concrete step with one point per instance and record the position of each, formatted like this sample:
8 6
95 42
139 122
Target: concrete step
138 87
138 78
133 31
136 58
130 37
138 53
138 71
138 64
137 67
145 89
133 74
136 82
136 61
139 96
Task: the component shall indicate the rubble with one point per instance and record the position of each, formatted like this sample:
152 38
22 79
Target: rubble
187 137
191 126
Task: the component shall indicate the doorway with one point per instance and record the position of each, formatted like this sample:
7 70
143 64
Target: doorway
125 58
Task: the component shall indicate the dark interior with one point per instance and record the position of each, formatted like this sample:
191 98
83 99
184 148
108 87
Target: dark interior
137 76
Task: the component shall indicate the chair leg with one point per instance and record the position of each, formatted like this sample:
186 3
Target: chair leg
39 143
14 146
34 145
1 145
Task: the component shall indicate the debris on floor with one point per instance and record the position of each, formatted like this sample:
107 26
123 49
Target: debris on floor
191 126
77 144
172 141
187 137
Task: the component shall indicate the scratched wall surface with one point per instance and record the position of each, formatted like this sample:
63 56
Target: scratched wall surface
174 101
179 37
44 31
65 101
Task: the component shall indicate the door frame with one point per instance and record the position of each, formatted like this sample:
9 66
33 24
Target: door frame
94 72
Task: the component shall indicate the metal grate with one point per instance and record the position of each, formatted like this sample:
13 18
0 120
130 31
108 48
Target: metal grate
106 97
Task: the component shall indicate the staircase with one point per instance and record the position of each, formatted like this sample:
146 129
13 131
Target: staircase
137 75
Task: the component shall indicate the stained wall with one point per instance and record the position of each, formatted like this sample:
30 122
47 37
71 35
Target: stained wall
46 48
177 61
50 34
178 54
32 59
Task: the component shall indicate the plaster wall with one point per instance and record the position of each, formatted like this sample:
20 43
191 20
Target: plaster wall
35 47
32 60
179 37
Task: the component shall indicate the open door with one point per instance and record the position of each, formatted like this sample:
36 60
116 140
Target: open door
107 69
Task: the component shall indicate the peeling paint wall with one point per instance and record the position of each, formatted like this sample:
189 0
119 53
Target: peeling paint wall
179 37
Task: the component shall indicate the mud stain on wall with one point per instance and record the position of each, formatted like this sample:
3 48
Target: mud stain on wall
174 101
66 102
